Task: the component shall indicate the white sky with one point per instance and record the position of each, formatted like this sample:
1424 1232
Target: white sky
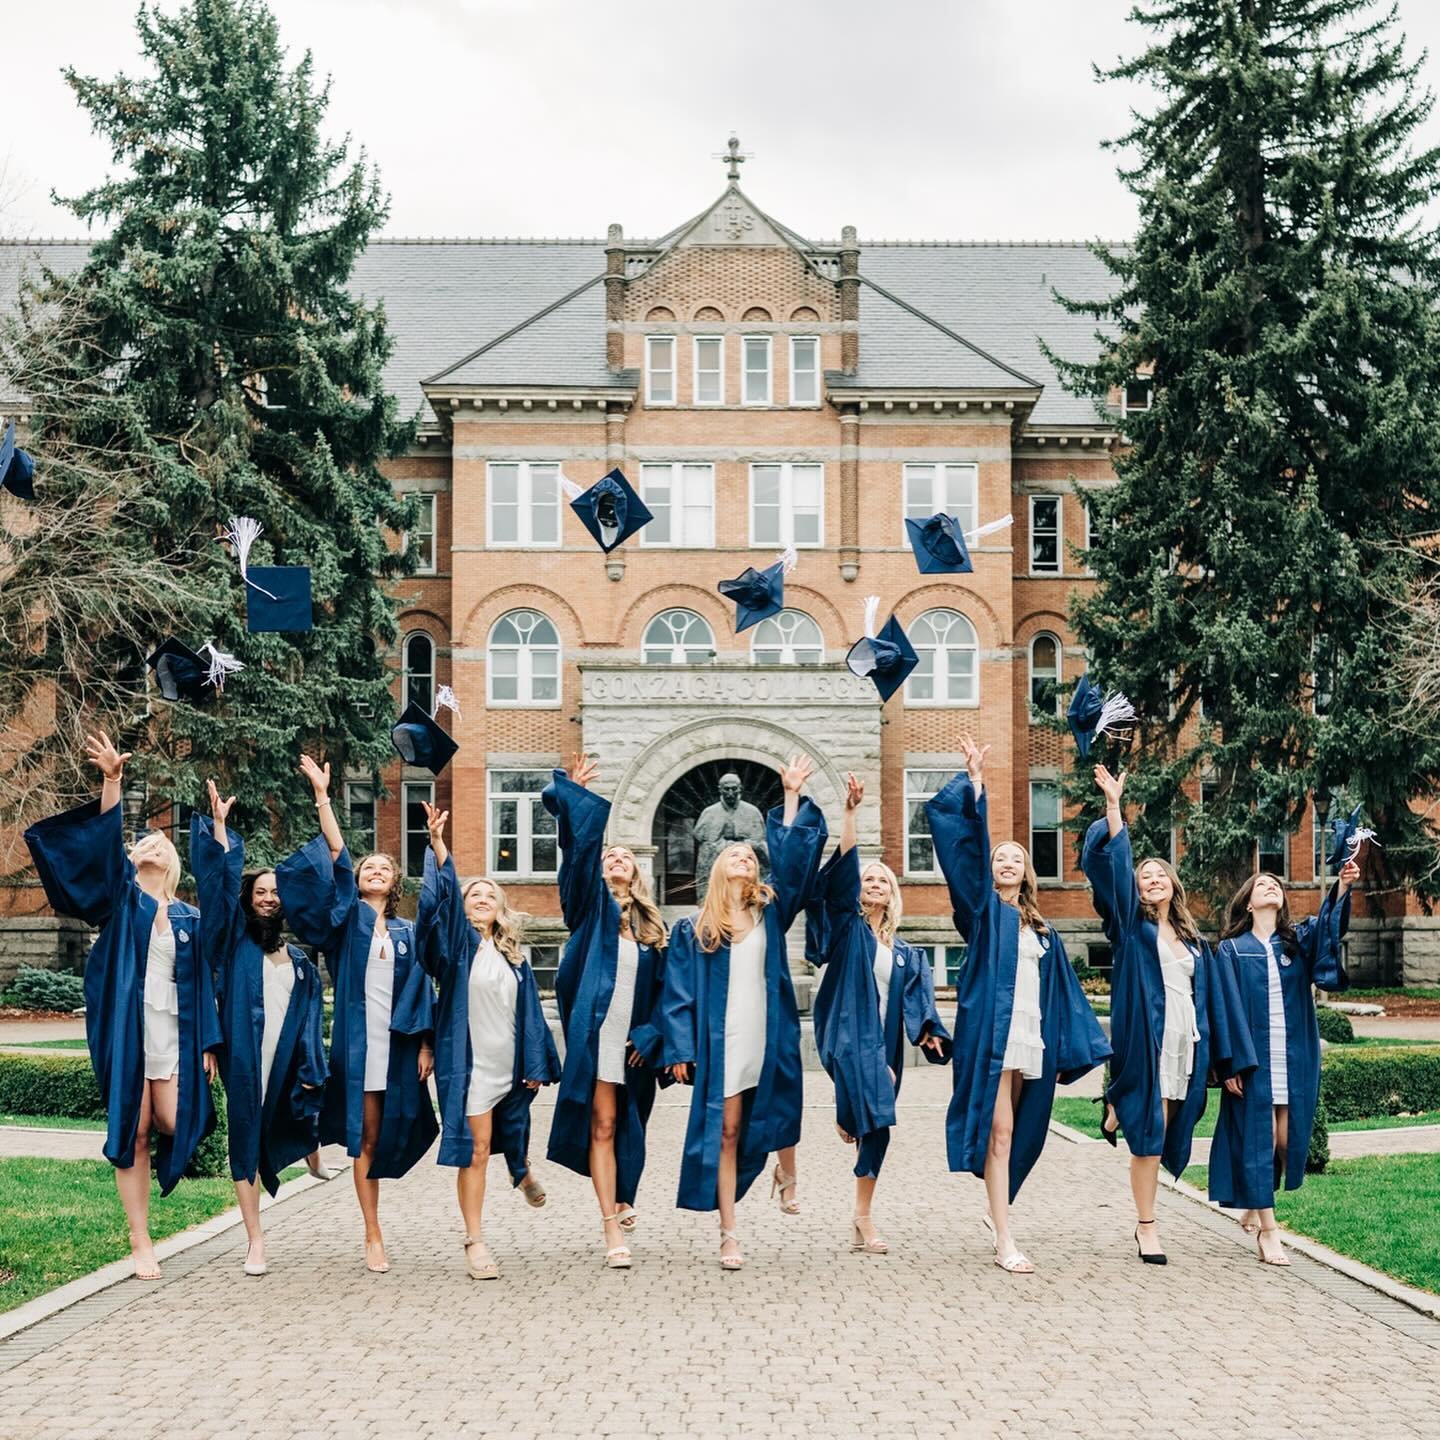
915 119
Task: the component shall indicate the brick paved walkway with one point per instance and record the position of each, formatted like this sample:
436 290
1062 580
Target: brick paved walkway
931 1340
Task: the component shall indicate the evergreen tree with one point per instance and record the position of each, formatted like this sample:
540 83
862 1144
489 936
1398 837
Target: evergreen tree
239 366
1282 294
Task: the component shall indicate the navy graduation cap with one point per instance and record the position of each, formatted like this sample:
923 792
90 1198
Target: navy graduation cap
759 594
942 548
887 657
610 509
183 675
420 740
17 467
1347 836
277 597
1091 715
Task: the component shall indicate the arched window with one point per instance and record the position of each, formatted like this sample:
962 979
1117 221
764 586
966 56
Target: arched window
789 638
1045 674
708 312
949 668
418 670
660 313
524 660
678 637
757 313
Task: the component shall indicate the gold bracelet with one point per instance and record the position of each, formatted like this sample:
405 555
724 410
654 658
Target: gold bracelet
321 804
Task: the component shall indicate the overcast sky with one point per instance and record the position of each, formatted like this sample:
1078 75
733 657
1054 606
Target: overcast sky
912 119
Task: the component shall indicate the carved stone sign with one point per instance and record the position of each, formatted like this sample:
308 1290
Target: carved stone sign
725 685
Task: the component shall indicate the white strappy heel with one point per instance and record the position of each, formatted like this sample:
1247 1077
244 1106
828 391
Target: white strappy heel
731 1262
617 1257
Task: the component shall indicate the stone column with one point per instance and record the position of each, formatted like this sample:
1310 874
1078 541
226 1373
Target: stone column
849 494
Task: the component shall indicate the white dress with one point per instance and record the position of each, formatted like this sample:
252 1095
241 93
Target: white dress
1279 1064
745 1013
279 981
1024 1045
884 968
1180 1036
615 1028
162 1008
379 1003
494 992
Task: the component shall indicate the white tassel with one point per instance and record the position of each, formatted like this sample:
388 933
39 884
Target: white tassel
568 487
446 699
872 613
222 665
993 528
1116 710
1361 835
787 559
242 533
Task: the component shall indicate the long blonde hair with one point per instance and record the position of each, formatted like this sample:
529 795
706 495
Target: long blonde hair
639 914
160 842
712 924
890 916
509 924
1181 920
1027 902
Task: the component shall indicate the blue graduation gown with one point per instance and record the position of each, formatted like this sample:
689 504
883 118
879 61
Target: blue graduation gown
1242 1157
692 1018
1137 1010
323 907
583 987
448 943
858 1053
985 998
80 857
264 1137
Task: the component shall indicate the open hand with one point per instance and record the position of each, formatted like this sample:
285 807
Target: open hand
582 769
104 756
1111 785
854 792
219 809
1349 874
317 775
794 775
974 758
435 819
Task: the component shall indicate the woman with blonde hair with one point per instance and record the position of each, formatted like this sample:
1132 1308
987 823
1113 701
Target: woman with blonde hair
607 990
1022 1022
493 1048
876 993
150 1019
377 1102
728 1014
1175 1014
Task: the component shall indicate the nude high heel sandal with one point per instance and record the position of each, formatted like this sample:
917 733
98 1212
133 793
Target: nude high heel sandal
730 1262
617 1257
487 1269
780 1182
860 1244
1260 1237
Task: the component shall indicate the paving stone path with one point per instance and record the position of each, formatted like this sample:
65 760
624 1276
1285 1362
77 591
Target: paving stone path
931 1340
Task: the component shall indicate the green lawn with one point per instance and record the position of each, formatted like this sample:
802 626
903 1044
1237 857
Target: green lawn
1415 992
1081 1115
1383 1210
1384 1042
52 1122
44 1044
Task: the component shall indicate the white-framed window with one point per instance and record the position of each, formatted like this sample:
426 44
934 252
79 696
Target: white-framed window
417 671
948 672
659 369
1045 535
544 961
1045 829
1045 674
678 637
420 539
523 834
522 500
920 786
942 489
709 370
789 638
1087 511
755 378
1272 853
1138 395
787 505
945 962
414 836
523 660
804 370
682 499
360 813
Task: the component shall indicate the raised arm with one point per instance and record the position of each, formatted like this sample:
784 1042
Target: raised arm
960 832
581 817
1319 939
317 894
319 778
111 765
796 838
443 935
1108 863
854 794
218 860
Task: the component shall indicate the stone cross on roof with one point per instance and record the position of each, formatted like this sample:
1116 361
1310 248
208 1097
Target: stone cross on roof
733 157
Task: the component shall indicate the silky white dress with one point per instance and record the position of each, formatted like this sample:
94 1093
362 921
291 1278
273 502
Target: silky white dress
162 1008
379 1003
1181 1033
1024 1044
279 981
1279 1063
493 996
615 1028
884 968
745 1013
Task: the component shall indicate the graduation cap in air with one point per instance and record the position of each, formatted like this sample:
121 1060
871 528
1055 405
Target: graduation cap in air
184 676
1347 836
942 548
610 509
17 467
887 657
759 594
420 740
1091 715
277 597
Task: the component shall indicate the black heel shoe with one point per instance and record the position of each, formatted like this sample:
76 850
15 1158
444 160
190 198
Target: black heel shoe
1159 1259
1107 1135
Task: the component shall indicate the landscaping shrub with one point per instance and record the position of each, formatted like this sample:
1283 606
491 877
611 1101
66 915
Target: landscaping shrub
212 1155
1356 1084
1319 1156
1335 1026
34 989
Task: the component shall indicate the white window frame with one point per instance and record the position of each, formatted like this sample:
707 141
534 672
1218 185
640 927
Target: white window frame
942 472
746 341
680 473
349 792
525 507
814 340
425 500
695 371
525 824
937 954
405 671
524 669
789 645
1031 708
414 842
709 644
1284 871
1052 784
916 793
1125 406
938 701
652 343
787 505
1059 503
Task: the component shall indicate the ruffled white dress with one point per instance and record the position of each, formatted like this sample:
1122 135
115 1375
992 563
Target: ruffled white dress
615 1028
279 981
1024 1045
884 968
745 1013
1279 1064
493 996
1180 1036
379 1003
162 1008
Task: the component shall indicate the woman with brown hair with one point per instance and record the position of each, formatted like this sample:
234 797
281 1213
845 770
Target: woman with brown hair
377 1102
728 1014
1173 1011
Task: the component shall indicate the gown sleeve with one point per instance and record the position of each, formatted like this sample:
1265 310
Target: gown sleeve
678 997
1082 1043
81 860
313 1069
795 852
542 1060
317 894
440 923
217 890
581 817
1232 1048
1318 942
1110 868
648 1037
922 1018
960 829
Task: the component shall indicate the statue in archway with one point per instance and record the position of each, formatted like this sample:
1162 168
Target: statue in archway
730 819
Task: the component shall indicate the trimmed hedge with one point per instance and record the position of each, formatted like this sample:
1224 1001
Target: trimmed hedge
1335 1026
35 989
1319 1156
1357 1084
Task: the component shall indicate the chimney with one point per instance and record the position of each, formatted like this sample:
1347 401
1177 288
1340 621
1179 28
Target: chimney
615 298
849 300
